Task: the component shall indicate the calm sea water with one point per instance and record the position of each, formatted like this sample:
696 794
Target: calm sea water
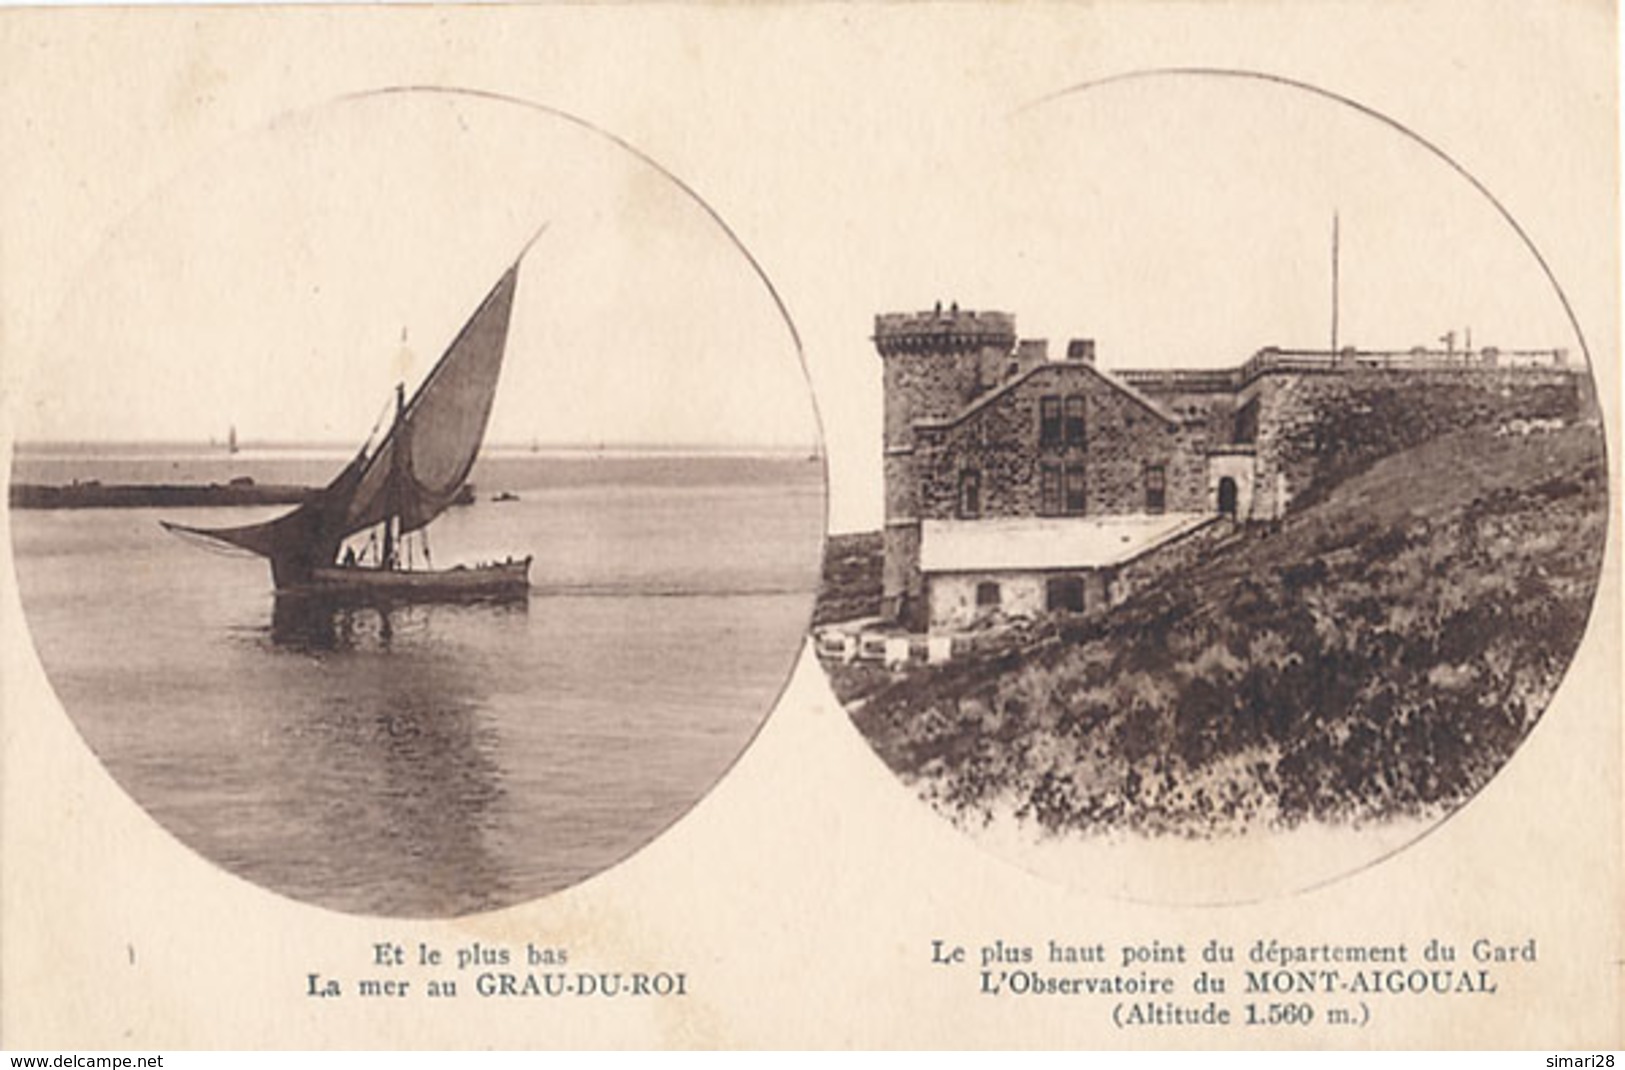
437 760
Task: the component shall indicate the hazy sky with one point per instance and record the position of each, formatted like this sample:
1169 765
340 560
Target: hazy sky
287 283
1187 221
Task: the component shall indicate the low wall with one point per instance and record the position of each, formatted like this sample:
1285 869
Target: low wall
1172 556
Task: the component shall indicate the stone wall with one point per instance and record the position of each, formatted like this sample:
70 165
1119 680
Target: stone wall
953 599
1000 441
1024 593
901 585
1172 556
1316 429
935 364
1206 417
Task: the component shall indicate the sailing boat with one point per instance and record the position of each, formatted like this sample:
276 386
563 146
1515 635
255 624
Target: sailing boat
415 472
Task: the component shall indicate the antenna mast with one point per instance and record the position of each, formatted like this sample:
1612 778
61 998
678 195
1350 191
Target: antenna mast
1334 284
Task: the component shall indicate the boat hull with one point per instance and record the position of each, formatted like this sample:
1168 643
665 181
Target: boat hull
507 579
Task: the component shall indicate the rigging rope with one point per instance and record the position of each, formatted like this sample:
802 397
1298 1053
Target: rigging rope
383 412
210 543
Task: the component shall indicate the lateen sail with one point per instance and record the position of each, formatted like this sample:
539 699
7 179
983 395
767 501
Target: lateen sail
297 541
439 435
415 472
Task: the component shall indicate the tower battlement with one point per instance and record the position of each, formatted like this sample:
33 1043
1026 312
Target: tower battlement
939 331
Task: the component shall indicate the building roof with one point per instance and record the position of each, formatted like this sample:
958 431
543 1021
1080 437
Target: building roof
1047 543
1004 388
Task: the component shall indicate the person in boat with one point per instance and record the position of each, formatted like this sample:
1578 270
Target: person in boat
349 557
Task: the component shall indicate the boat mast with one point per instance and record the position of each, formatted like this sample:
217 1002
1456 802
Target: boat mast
393 499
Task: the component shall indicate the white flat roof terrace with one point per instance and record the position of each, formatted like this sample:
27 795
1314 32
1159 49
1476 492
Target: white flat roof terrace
1042 544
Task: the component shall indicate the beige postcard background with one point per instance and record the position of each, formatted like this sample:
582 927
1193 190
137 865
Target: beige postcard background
802 895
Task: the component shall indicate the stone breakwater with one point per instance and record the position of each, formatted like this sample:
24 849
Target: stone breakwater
97 495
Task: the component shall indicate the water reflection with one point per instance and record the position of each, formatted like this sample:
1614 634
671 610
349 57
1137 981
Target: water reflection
309 623
388 784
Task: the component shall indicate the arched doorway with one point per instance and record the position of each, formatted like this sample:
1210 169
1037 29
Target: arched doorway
1227 497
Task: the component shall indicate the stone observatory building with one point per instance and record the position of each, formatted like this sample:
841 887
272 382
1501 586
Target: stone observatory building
1018 484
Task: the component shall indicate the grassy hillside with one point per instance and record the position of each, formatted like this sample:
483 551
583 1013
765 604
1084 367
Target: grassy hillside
851 580
1381 653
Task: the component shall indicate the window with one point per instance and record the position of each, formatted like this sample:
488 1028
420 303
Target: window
970 494
1049 420
1074 420
1245 428
1064 594
1049 490
1156 488
987 593
1076 498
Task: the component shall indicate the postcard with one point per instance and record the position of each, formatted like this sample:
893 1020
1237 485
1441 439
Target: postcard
816 526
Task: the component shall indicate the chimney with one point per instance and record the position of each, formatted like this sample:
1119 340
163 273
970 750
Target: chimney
1032 351
1081 350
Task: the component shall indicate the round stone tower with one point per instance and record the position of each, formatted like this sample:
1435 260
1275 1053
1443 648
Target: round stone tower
936 363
